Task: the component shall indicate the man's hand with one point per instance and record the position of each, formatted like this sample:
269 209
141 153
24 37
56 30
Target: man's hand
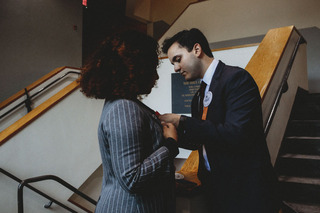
170 118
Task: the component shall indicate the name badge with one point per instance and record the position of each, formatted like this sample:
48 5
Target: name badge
207 99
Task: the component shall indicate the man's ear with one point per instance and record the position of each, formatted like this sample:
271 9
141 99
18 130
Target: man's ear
197 49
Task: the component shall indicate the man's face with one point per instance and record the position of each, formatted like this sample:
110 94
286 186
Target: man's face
186 63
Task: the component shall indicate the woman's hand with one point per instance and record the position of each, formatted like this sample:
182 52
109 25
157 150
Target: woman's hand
170 131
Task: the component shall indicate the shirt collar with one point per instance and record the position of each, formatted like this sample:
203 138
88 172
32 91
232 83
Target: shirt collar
210 72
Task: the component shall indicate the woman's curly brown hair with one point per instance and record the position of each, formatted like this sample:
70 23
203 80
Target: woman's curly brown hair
124 66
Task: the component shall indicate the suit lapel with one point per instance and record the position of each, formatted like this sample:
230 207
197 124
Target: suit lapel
216 76
215 83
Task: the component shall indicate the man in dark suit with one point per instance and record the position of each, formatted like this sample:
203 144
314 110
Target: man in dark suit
226 127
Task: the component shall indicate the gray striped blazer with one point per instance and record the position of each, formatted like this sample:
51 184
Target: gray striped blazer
138 173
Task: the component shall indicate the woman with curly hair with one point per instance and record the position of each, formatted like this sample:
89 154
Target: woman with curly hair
137 152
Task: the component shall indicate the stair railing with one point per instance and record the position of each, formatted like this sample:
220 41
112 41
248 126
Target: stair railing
286 208
51 200
48 177
283 87
27 102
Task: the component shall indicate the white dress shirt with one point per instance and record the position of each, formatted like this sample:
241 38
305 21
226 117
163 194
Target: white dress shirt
207 79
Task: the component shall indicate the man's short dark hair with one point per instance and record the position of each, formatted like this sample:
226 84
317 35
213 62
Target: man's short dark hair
187 39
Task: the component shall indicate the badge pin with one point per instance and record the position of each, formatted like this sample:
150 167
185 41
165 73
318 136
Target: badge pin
207 99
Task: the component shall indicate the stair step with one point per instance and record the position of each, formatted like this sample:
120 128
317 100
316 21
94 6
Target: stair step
306 106
305 114
304 180
310 128
307 98
306 187
304 208
301 145
298 165
300 193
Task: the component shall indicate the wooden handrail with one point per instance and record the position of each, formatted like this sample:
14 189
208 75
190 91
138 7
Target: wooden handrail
33 85
6 134
269 51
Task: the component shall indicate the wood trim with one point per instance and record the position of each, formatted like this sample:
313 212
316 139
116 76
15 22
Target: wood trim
236 47
269 52
6 134
225 48
33 85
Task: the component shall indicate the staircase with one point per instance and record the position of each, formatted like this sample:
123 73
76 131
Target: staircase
298 164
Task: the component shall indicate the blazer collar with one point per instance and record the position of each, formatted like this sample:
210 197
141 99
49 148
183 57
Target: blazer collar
216 76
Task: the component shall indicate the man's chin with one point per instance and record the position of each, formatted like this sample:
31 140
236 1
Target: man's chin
188 78
185 77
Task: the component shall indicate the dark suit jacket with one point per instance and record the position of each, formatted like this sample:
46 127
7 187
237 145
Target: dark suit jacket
241 177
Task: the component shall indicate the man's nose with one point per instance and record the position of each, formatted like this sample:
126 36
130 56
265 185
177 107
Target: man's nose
177 68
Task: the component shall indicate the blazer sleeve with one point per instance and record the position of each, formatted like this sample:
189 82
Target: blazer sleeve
128 131
241 122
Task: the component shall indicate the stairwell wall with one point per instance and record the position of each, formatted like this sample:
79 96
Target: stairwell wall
62 142
36 37
231 19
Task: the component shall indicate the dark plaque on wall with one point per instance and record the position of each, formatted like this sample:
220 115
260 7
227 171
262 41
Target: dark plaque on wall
182 93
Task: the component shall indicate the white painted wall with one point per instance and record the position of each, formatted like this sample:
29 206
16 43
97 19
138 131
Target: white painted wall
62 142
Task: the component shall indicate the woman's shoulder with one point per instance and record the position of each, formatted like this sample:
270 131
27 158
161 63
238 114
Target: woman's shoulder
123 102
123 105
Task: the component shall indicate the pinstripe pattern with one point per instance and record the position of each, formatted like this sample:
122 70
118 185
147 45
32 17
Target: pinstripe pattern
138 174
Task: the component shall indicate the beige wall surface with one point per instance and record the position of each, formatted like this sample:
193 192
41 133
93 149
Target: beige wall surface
233 19
35 38
229 20
154 10
167 10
